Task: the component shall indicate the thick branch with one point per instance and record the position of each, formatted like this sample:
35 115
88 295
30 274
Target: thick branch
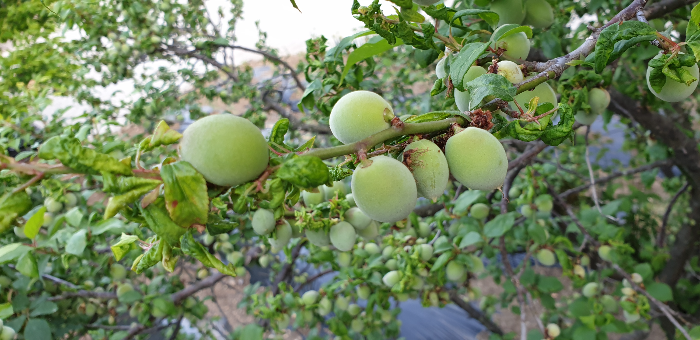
181 295
274 58
663 7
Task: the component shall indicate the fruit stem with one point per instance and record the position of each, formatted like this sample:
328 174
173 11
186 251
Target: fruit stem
390 133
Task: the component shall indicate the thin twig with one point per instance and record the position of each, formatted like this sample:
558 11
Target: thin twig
661 238
314 278
614 176
594 192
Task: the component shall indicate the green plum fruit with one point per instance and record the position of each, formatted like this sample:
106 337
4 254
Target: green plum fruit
462 98
423 229
392 264
283 234
204 273
509 11
227 150
363 292
8 333
48 219
124 288
354 309
585 118
440 70
477 159
434 299
579 271
372 248
52 205
117 272
546 257
605 252
636 278
426 251
385 316
516 45
538 13
263 221
357 325
350 199
417 283
312 198
479 211
511 71
309 298
90 310
344 259
371 232
384 189
426 2
388 251
590 289
391 278
358 115
283 322
630 317
263 261
544 203
343 236
585 260
543 91
318 237
673 91
627 291
324 306
71 200
455 271
342 303
598 100
553 330
235 258
429 167
338 189
357 218
609 304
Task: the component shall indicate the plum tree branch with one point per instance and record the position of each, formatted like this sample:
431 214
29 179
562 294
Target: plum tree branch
475 313
661 238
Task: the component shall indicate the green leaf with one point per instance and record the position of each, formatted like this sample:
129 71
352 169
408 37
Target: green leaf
584 333
120 185
192 248
463 61
13 206
294 4
280 129
31 228
510 29
151 257
218 225
660 291
489 85
74 217
375 46
465 200
490 17
73 155
124 245
693 32
159 222
644 269
549 284
37 329
27 266
186 195
6 310
432 116
163 135
307 99
556 134
335 54
470 238
42 306
499 225
76 243
137 188
304 171
12 251
438 87
441 261
606 48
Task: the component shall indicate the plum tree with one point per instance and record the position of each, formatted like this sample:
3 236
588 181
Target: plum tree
672 90
509 11
429 167
343 236
516 45
462 98
538 13
384 189
476 159
510 71
227 150
358 115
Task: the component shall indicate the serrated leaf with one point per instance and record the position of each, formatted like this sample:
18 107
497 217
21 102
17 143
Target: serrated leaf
186 195
73 155
125 244
151 257
500 225
159 221
556 134
280 129
463 61
441 261
192 248
490 85
76 244
31 228
304 171
465 200
163 135
605 48
375 46
217 225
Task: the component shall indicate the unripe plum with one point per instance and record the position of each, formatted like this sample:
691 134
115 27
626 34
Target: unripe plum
455 271
579 271
538 13
52 205
343 236
71 200
204 273
388 251
8 333
545 93
510 71
462 98
440 70
477 159
351 200
585 118
234 257
429 168
609 304
544 203
309 298
358 115
283 322
636 278
509 11
605 252
630 317
553 330
391 278
363 292
312 198
344 259
227 150
480 211
263 221
354 309
357 325
371 232
434 299
516 45
384 189
426 251
546 257
627 291
324 306
283 234
123 289
372 248
357 218
385 315
590 289
392 264
599 100
341 302
117 272
48 219
338 188
673 91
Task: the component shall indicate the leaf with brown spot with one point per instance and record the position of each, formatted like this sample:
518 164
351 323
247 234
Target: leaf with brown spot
185 194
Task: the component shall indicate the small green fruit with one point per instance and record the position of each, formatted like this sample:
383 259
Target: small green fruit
341 302
546 257
343 236
351 200
202 273
384 189
312 198
8 333
283 322
553 330
338 189
434 299
263 221
319 238
673 91
48 219
599 100
309 298
585 260
208 239
344 259
324 306
510 71
363 292
117 272
264 261
609 304
418 283
516 45
123 289
283 234
527 211
590 289
627 291
371 232
426 252
480 211
358 115
71 200
477 159
227 150
190 302
579 271
392 264
388 251
509 11
357 325
605 252
385 316
52 205
539 13
630 317
544 203
429 167
585 118
357 218
372 248
462 98
455 271
636 278
543 91
90 310
391 278
354 309
234 258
